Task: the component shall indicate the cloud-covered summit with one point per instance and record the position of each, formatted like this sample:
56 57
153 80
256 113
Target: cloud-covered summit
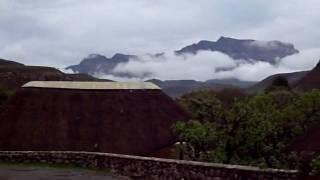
248 60
211 65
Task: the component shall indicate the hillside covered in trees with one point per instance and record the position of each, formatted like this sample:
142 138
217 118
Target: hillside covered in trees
264 130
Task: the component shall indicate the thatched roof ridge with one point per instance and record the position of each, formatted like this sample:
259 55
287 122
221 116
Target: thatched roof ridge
90 85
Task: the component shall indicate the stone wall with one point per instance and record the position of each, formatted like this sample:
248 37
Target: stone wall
150 168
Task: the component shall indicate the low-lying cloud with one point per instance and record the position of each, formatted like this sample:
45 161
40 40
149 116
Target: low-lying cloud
211 65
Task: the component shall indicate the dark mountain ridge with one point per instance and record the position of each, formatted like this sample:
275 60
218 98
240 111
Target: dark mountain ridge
302 80
311 80
13 75
96 63
8 63
292 78
247 49
177 88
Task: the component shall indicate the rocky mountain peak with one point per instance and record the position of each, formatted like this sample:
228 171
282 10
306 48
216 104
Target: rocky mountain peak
245 49
96 63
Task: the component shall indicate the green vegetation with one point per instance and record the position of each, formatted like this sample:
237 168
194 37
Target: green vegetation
4 94
315 165
251 130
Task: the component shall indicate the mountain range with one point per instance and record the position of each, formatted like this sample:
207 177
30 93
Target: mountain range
237 49
246 49
177 88
96 63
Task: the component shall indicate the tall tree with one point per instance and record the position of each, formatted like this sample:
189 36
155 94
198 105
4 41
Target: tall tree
253 131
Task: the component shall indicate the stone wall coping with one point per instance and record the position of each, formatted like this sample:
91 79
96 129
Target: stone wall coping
162 160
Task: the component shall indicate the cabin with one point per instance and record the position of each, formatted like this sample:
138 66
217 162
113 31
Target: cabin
114 117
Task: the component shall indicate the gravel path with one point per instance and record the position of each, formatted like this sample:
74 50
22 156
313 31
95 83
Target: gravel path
43 173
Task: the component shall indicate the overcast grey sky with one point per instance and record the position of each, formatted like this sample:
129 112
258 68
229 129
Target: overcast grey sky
61 32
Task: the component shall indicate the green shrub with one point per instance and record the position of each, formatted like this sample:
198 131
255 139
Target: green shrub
255 130
4 94
315 166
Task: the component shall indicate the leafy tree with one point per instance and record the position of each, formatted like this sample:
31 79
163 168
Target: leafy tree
315 166
228 95
264 132
203 105
308 108
197 137
253 131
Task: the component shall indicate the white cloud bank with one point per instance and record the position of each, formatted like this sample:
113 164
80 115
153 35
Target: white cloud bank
213 65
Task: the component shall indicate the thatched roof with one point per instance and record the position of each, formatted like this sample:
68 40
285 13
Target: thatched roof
90 85
121 120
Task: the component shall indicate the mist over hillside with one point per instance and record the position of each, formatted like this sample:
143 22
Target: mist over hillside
245 60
